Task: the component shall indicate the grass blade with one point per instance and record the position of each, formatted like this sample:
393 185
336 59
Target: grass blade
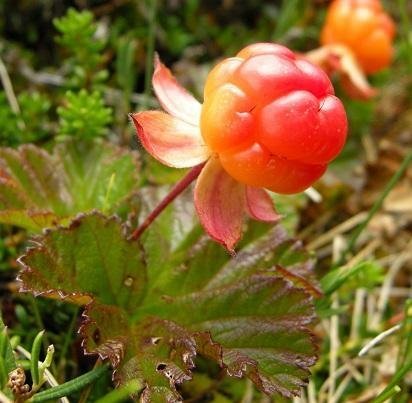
71 386
35 354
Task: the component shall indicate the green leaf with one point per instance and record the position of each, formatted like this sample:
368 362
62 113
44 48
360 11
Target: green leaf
7 360
30 219
38 189
156 351
151 316
260 324
182 258
89 260
121 394
198 264
337 277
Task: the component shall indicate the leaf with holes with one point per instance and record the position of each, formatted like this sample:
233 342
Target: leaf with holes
92 263
156 351
38 189
260 324
250 314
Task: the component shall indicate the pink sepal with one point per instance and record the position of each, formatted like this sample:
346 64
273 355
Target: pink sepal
260 206
339 58
220 204
173 97
170 140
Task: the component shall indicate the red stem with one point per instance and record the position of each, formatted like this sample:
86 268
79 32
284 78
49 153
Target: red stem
174 192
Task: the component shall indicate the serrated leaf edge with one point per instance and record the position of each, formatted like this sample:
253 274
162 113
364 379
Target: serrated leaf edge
249 369
74 223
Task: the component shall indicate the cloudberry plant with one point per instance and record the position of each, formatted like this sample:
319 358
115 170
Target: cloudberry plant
365 28
269 120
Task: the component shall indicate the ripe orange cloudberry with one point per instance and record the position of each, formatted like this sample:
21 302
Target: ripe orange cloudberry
365 28
272 119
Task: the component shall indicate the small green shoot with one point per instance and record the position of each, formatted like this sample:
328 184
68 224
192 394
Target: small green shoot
35 355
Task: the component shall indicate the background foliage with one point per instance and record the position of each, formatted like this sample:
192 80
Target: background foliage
71 71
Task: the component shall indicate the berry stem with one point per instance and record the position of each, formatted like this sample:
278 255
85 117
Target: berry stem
174 192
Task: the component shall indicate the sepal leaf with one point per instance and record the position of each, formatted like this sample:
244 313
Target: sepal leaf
220 204
173 97
259 205
170 140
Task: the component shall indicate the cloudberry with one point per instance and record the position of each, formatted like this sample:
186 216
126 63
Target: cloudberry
365 28
268 121
272 119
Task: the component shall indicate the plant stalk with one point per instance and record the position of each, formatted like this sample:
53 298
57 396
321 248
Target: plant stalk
174 192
